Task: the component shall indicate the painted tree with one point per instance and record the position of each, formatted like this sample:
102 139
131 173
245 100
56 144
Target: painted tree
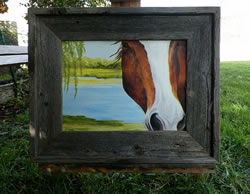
72 51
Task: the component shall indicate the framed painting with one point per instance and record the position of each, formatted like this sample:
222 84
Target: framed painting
128 89
128 85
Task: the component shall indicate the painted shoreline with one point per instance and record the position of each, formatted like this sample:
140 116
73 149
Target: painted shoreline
82 123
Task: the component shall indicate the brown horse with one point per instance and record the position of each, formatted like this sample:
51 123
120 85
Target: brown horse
154 76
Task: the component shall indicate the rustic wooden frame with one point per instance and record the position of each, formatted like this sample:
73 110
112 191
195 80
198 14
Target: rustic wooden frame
170 151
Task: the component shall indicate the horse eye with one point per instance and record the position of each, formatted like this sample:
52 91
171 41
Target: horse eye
125 45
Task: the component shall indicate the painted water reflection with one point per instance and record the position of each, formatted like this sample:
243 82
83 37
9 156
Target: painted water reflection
102 99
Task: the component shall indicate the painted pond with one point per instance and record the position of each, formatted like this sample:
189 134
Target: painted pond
100 105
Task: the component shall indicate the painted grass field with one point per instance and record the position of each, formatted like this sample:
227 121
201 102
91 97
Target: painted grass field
82 123
19 175
98 73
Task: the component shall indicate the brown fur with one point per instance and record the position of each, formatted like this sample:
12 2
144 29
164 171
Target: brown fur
177 68
136 74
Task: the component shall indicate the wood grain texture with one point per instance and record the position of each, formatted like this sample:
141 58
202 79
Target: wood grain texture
196 148
33 127
131 28
174 11
127 149
123 143
46 82
49 84
13 50
215 141
199 86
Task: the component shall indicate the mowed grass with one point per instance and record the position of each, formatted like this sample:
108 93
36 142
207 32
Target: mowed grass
19 175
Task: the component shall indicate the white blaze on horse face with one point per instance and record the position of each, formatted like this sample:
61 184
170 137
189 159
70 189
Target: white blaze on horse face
166 105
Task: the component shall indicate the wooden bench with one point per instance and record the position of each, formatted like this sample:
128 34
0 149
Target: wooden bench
9 56
13 55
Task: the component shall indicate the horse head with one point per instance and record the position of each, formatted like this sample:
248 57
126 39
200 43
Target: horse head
154 76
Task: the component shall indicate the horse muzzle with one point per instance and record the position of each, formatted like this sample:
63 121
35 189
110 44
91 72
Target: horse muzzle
155 122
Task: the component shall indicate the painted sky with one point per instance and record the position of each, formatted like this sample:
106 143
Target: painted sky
101 49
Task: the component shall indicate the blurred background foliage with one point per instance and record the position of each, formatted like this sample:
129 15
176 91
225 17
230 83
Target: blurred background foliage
9 32
8 36
67 3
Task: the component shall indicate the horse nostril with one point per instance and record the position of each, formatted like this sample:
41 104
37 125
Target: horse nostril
182 123
156 122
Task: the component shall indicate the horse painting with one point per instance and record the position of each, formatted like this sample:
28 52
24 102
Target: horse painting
154 76
141 86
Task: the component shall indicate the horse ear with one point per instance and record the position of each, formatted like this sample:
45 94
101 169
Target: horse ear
118 53
116 42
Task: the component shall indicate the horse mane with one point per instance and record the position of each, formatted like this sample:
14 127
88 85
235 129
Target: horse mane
118 53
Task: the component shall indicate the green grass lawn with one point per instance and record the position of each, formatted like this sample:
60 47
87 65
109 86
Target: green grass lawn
19 175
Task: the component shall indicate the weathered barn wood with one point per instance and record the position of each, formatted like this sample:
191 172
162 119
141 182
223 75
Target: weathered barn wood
196 148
